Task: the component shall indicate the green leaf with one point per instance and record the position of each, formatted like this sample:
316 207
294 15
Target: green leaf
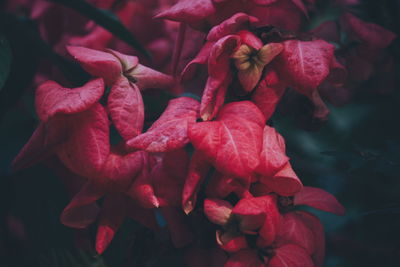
106 20
5 60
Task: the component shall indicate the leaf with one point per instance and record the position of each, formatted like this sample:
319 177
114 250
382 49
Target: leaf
170 131
290 255
233 142
104 19
304 65
319 199
126 108
51 98
5 60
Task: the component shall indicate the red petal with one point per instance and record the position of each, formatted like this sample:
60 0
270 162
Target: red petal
317 228
126 108
219 76
217 211
97 63
251 212
237 22
189 11
201 59
372 34
294 230
198 170
285 182
52 98
273 154
231 243
220 186
169 132
245 258
319 199
267 97
111 219
142 188
271 224
146 77
290 255
304 65
233 142
169 177
88 145
128 62
82 210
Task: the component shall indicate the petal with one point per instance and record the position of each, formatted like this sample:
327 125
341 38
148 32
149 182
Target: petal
319 199
231 243
237 22
201 59
146 78
233 142
290 255
97 63
217 211
220 186
82 210
142 188
88 145
267 97
293 230
251 212
285 182
271 224
170 131
304 65
126 108
273 154
219 76
51 98
198 170
111 219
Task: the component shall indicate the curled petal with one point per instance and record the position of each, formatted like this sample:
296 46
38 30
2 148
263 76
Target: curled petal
217 211
285 182
319 199
51 98
170 131
271 224
97 63
201 59
251 212
146 78
126 108
230 242
290 255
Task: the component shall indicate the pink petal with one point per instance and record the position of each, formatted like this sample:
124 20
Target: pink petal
290 255
146 78
111 219
82 210
317 228
128 62
293 230
220 186
267 97
319 199
237 22
271 224
97 63
304 65
169 132
219 76
189 11
372 34
230 242
88 145
142 188
126 108
201 59
52 98
285 182
217 211
251 212
233 142
245 258
273 154
198 170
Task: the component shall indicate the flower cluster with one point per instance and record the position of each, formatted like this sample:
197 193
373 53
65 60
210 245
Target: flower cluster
213 167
